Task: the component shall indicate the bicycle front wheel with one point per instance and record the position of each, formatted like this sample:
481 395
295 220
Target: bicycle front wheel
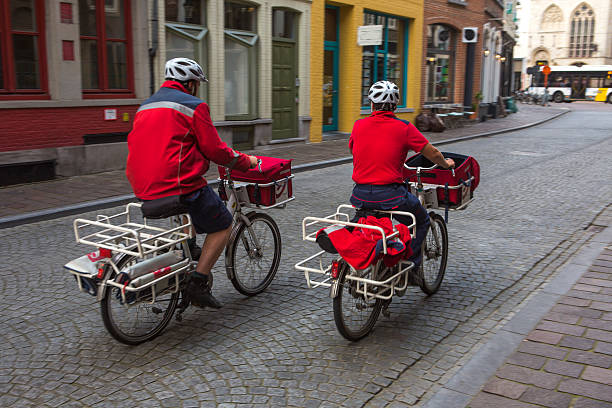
138 319
354 315
253 254
435 255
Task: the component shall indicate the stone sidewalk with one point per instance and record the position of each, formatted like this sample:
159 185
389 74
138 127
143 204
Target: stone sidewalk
566 361
555 351
76 192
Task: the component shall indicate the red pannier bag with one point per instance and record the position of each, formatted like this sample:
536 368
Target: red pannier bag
466 167
269 186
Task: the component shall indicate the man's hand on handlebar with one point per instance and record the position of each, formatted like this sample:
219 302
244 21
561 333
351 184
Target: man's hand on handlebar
253 161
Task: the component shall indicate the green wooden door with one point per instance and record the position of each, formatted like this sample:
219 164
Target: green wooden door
284 89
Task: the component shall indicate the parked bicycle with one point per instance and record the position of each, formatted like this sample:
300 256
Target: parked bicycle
141 269
360 295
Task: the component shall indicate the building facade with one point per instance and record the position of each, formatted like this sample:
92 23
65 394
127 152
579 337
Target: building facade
468 51
451 68
342 71
256 57
72 72
569 32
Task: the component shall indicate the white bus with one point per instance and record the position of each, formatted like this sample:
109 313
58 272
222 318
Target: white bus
573 83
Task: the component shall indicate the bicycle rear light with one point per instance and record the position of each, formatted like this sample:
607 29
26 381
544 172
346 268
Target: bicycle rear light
335 270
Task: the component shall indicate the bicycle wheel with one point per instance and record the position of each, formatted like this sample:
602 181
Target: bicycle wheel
435 255
253 254
354 316
139 320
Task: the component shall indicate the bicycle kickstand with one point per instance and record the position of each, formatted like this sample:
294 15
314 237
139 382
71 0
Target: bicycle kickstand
183 305
385 308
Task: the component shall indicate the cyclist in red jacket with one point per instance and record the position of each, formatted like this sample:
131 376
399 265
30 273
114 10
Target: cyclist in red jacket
380 144
170 147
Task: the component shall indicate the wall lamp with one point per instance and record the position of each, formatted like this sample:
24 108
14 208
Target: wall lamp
431 59
497 56
503 59
486 52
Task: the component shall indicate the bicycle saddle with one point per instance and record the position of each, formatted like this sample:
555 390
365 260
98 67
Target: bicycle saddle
366 212
163 207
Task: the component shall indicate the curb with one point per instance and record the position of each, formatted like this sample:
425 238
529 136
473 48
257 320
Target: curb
462 387
57 212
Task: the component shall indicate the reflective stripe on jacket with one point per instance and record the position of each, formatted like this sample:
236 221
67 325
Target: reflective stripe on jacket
172 143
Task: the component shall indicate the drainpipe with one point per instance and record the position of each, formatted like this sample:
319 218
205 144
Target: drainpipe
154 45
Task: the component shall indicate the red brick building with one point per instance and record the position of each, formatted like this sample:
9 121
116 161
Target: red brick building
72 74
463 54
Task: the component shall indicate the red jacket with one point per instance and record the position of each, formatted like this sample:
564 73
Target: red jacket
172 143
380 144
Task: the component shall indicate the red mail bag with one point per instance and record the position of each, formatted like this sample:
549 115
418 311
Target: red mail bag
466 178
270 186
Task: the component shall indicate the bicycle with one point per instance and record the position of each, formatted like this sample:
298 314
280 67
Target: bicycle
140 271
360 295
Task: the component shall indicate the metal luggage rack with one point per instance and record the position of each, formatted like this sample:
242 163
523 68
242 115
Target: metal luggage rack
181 266
431 195
240 187
321 273
120 233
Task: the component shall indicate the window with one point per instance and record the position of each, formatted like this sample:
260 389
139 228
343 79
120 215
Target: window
106 61
440 63
186 33
283 24
22 48
388 60
240 61
581 32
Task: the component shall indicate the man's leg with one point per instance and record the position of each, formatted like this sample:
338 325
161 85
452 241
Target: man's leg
413 205
210 216
214 244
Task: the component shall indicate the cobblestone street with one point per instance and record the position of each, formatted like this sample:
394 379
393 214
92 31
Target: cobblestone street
540 190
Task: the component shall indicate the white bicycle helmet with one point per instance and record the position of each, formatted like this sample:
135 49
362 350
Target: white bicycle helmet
184 69
384 92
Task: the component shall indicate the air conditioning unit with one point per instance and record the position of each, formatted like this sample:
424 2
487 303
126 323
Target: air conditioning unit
469 35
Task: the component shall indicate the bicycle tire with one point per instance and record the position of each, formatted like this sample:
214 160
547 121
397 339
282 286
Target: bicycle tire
346 292
111 315
253 277
435 255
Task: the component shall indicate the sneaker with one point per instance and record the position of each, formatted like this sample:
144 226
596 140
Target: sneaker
199 292
194 249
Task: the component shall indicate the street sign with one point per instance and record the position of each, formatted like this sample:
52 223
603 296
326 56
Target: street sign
370 35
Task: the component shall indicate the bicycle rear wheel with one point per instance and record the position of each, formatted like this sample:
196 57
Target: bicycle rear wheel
253 254
354 315
435 255
139 320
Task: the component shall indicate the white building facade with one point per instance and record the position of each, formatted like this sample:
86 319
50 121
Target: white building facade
568 32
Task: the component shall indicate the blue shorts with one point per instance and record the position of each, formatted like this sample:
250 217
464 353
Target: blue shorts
208 212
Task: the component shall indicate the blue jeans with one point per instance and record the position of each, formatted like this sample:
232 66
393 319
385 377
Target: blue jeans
395 197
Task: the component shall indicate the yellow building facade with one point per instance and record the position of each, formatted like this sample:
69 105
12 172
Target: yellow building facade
342 70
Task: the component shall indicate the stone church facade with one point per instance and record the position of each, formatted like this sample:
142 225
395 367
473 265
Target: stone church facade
568 32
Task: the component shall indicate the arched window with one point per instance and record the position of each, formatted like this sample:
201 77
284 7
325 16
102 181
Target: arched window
552 18
581 32
440 62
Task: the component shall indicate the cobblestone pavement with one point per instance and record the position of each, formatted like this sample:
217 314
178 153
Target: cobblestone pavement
72 190
567 359
540 189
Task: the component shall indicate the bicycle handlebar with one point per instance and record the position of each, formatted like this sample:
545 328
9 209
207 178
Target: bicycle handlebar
419 169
